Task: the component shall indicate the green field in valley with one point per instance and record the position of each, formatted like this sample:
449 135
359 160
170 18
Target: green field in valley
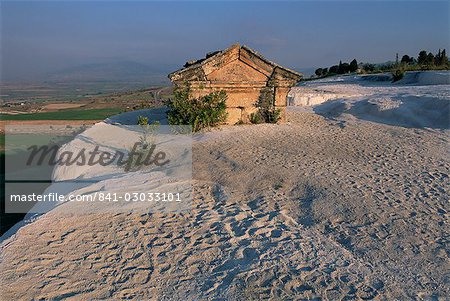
94 114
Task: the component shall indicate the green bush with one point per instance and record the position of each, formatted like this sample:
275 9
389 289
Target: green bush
206 111
267 112
142 120
148 129
397 75
270 115
256 118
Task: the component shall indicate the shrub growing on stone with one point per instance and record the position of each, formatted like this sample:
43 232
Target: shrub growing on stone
267 112
203 112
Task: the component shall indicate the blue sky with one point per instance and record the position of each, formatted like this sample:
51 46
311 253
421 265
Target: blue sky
38 37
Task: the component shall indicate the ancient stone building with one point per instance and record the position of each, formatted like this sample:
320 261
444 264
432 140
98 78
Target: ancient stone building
243 74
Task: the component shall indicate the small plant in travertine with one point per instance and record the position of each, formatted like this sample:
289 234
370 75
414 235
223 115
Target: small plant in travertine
397 74
145 147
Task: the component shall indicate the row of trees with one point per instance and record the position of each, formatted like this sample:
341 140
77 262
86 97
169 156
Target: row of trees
428 59
342 68
425 60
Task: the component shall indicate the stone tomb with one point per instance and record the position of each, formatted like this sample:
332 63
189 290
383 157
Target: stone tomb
244 75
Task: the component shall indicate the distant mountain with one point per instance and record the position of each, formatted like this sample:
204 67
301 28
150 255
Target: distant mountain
117 71
387 63
306 71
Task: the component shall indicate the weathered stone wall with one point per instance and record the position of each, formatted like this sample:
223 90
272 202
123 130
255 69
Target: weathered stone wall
241 97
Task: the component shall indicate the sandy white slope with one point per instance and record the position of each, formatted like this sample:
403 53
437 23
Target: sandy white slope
418 100
333 205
